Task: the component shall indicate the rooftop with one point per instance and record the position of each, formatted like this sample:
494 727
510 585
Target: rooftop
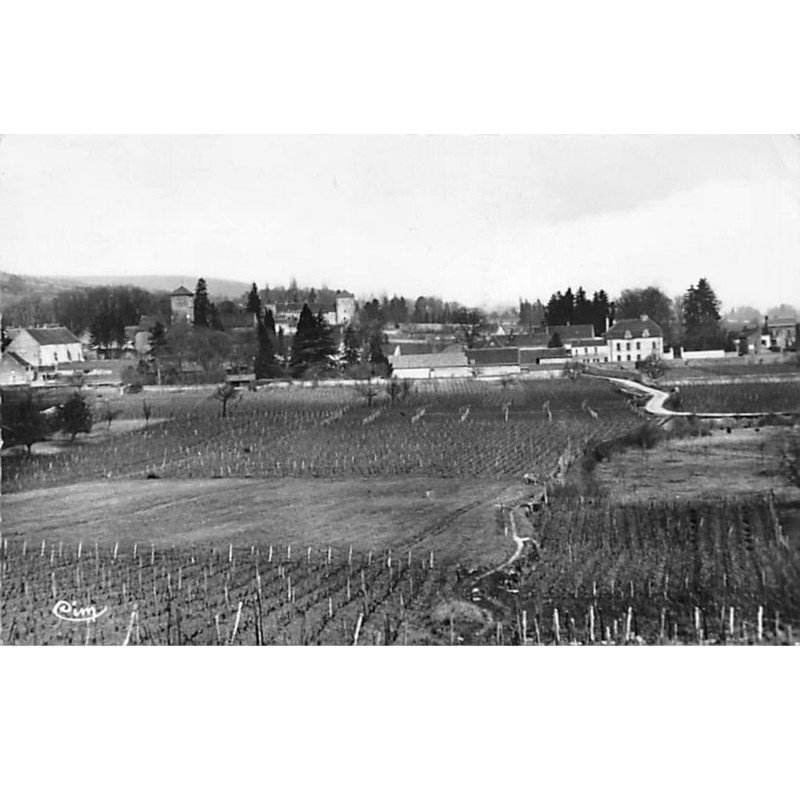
634 329
45 336
181 291
494 356
424 360
566 332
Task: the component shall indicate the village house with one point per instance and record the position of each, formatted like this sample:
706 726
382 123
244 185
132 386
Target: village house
782 331
634 339
46 349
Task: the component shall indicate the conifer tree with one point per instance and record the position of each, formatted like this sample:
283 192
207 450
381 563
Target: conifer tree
202 305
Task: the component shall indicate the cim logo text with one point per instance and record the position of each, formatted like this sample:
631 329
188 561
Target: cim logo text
65 610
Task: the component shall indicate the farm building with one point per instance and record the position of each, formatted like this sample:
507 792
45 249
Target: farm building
46 348
14 370
541 356
431 365
589 351
634 339
494 361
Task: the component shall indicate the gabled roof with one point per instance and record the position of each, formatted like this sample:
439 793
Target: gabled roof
494 356
568 332
181 291
345 294
634 329
414 348
11 356
45 336
432 360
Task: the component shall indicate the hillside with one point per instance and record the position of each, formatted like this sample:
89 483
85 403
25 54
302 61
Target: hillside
14 287
218 288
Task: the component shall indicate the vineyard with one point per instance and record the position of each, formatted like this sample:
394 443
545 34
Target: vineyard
718 571
216 596
701 572
465 428
741 398
405 520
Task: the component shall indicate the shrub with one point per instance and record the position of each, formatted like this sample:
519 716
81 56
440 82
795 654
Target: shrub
76 416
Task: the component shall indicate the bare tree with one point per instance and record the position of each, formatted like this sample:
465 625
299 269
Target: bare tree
225 393
471 326
368 390
653 366
147 410
109 414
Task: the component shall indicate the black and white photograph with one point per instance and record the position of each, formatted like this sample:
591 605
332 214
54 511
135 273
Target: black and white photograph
399 399
401 390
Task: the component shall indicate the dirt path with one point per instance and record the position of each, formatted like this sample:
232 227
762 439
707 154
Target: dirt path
655 405
519 541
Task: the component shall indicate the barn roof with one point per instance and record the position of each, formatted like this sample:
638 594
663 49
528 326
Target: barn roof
425 360
45 336
494 356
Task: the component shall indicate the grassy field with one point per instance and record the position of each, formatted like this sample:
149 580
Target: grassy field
731 367
749 397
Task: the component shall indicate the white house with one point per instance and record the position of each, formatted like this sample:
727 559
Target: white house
47 347
634 339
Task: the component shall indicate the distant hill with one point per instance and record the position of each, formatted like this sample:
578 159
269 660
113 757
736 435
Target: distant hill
218 288
14 287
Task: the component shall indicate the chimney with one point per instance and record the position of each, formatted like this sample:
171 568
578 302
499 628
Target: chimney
644 318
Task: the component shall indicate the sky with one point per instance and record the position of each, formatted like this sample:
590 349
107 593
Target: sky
483 220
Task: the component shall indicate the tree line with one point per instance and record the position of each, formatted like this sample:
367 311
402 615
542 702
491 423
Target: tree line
691 321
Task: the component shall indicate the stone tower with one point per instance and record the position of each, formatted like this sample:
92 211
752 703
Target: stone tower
182 305
345 308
